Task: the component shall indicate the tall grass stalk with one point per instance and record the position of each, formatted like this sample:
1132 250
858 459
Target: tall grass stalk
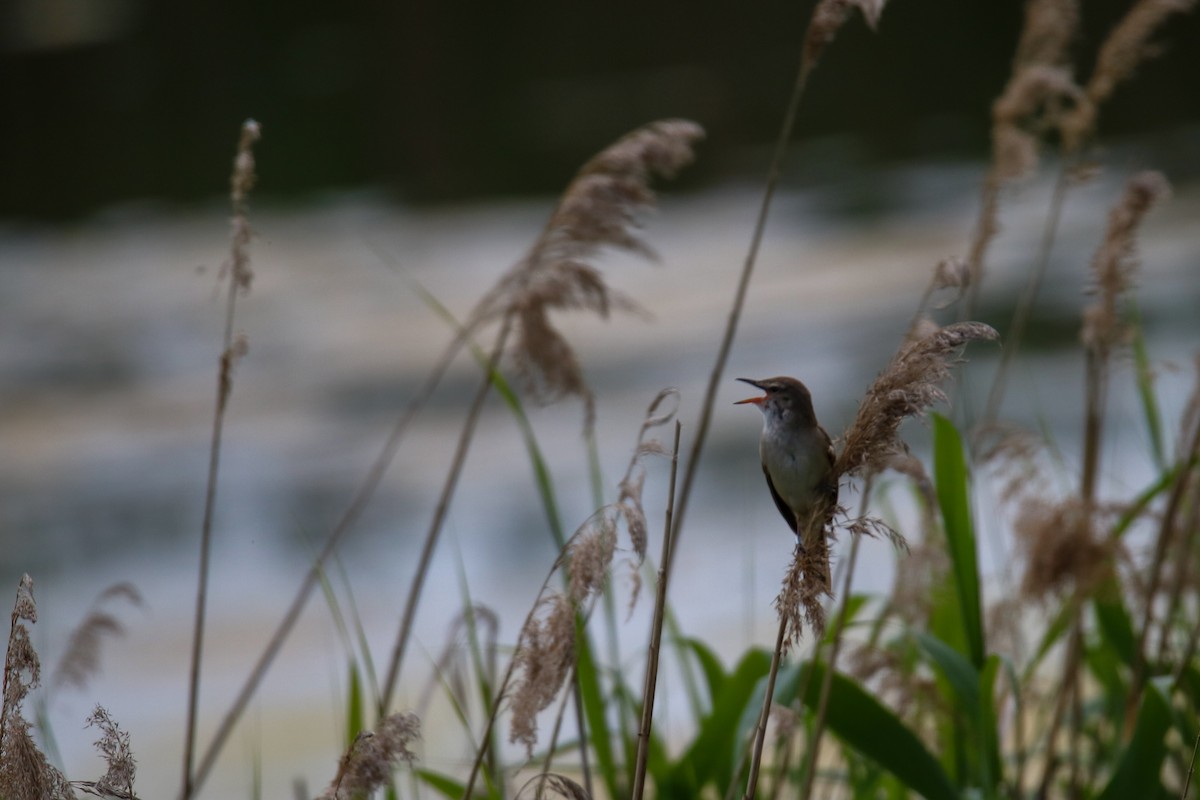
760 731
813 741
660 604
240 277
439 517
827 18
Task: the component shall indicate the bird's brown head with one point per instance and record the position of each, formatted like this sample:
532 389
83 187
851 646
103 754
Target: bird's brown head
786 400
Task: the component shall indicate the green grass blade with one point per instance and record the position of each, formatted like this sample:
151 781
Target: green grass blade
443 784
595 712
354 704
1145 384
866 725
541 472
950 476
721 734
710 666
1114 622
1137 772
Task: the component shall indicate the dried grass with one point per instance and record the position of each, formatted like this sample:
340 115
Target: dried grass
827 19
25 774
544 658
113 745
600 209
369 762
907 387
1040 89
1127 46
1115 263
1062 548
546 645
556 783
81 660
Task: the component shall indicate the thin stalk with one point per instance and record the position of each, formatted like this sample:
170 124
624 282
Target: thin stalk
735 313
553 744
814 745
612 640
1096 402
1187 781
985 231
224 385
785 760
1074 755
581 724
313 578
240 277
469 789
660 604
1024 309
760 735
439 517
1161 547
1070 674
1184 567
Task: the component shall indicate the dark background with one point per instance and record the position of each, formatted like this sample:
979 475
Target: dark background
442 102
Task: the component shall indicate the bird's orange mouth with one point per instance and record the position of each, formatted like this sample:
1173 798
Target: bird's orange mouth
758 401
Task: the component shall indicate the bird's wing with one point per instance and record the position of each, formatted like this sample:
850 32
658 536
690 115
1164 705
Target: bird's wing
788 515
830 487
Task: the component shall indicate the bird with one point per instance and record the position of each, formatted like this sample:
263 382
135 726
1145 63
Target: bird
797 455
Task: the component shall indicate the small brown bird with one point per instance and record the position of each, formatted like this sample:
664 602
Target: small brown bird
797 453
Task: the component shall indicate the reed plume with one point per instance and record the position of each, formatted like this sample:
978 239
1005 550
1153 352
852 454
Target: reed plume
368 763
1125 48
25 774
546 645
907 387
602 207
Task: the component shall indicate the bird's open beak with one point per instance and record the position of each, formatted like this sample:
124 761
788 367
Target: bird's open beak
758 401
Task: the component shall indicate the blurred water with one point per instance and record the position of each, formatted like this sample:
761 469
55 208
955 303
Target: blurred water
109 334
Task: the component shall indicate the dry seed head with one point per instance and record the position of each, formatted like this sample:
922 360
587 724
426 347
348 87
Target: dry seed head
81 660
828 18
24 772
1014 455
951 273
25 608
1124 49
1115 262
1046 36
589 555
908 386
113 745
22 667
372 757
876 528
917 577
1061 548
1128 44
1033 100
240 184
599 209
805 587
554 782
545 654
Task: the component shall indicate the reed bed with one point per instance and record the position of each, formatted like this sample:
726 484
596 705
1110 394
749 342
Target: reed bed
1078 680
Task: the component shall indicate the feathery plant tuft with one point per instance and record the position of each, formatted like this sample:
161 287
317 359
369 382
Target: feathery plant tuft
599 209
368 764
546 646
25 774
